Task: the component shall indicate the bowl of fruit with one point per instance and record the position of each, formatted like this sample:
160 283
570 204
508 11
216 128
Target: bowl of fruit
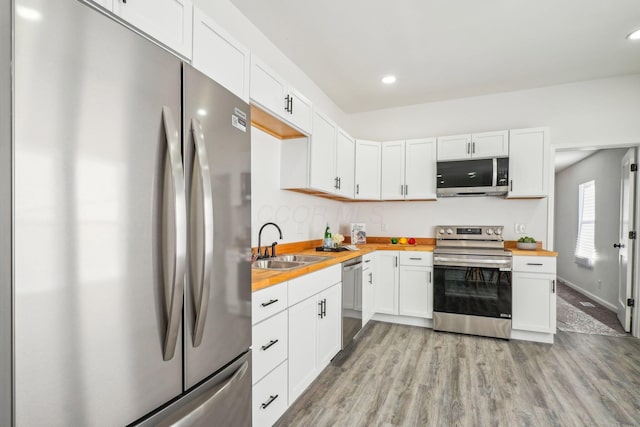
527 243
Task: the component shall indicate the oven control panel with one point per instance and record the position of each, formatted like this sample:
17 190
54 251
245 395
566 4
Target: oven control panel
466 232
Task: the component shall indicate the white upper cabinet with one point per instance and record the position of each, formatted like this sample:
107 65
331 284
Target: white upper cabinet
168 21
323 154
220 56
529 163
393 159
477 145
420 169
345 164
409 170
299 110
367 170
271 92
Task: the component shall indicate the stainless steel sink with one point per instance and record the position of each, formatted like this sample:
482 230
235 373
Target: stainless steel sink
287 262
276 264
309 259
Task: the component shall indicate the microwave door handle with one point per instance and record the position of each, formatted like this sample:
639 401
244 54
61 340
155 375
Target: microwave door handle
495 172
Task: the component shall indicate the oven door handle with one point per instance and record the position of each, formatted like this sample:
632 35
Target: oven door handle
457 262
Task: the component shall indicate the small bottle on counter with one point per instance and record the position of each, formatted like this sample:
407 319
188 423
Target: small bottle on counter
327 242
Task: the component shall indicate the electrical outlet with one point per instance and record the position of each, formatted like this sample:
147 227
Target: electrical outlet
520 228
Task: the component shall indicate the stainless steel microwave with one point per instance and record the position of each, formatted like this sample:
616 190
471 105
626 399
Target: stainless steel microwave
474 177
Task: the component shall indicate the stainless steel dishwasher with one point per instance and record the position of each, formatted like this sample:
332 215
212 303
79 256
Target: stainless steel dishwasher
351 299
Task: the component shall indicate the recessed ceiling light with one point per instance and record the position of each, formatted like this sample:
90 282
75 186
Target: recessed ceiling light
634 35
388 79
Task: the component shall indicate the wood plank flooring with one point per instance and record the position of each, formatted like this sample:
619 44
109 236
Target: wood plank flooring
396 375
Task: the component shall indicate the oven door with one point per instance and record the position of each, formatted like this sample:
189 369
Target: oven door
476 289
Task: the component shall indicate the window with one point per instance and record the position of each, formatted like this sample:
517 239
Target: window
585 244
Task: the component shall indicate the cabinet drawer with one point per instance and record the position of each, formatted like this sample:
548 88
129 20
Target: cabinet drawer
424 259
269 344
310 284
269 397
534 264
267 302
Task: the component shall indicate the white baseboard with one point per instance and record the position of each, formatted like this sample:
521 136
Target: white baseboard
588 294
542 337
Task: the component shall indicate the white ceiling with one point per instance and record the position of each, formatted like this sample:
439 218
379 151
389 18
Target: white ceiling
445 49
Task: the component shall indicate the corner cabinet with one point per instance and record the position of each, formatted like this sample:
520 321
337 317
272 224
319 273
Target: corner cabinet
529 163
220 56
473 146
534 297
168 21
409 170
368 165
272 93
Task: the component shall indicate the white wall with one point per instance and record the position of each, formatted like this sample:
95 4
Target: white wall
604 168
419 219
225 14
592 113
300 216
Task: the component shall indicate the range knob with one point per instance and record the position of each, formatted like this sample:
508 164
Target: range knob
449 231
498 231
489 231
441 231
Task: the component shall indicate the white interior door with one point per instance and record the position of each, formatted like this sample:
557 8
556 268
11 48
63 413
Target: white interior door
625 245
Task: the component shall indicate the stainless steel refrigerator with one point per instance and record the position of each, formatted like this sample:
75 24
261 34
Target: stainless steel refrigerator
125 214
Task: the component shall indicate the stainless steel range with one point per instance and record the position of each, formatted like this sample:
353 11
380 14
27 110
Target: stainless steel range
472 281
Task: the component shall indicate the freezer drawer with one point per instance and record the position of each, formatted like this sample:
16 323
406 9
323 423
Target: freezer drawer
223 400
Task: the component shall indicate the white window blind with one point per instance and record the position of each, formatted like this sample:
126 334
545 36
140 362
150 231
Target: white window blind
585 244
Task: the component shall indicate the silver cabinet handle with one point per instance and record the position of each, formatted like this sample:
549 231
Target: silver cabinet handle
406 189
468 148
415 259
371 278
534 263
401 190
473 148
553 286
511 185
201 292
396 261
357 188
175 292
429 277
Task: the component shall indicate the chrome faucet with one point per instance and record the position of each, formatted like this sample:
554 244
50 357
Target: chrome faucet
273 245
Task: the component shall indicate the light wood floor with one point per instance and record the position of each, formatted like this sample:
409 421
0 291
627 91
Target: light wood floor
408 376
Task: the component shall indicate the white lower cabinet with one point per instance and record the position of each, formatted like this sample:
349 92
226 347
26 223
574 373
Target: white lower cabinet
368 287
534 294
269 397
416 285
315 334
386 289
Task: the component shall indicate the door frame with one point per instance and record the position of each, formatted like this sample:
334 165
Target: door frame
635 287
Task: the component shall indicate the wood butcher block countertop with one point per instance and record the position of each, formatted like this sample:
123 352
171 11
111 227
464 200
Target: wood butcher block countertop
261 279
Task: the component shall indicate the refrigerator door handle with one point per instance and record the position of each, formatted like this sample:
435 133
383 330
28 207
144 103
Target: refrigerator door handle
201 294
175 294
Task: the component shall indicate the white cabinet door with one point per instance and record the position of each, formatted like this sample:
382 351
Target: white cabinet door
323 154
267 88
345 164
367 170
329 325
303 338
386 289
393 172
168 21
490 144
529 163
420 169
299 111
534 302
454 147
269 397
220 56
414 291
